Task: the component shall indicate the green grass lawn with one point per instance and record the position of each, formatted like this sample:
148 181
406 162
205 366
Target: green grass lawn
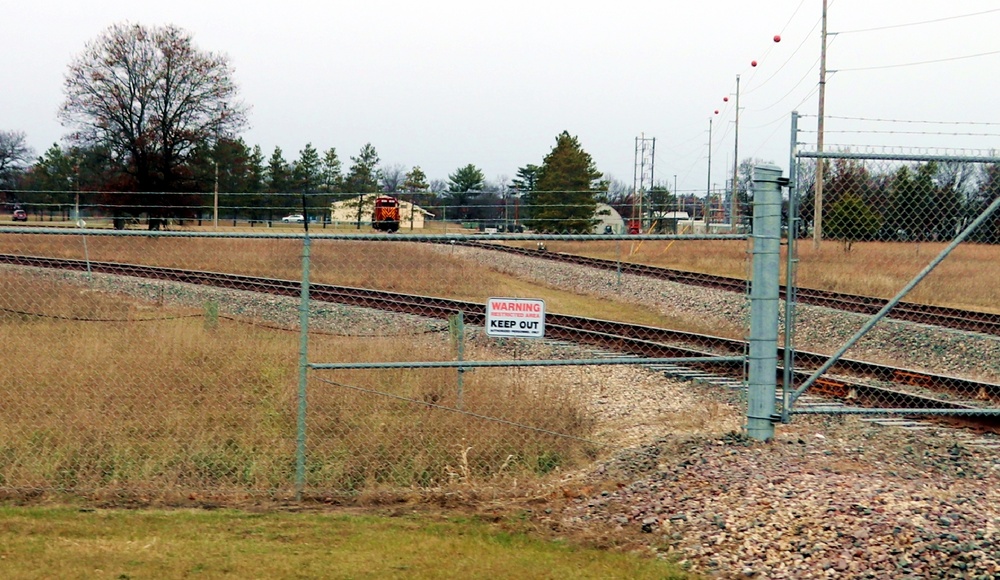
65 542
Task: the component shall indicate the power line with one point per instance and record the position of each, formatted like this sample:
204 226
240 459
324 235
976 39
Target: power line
917 23
792 90
918 63
805 38
878 132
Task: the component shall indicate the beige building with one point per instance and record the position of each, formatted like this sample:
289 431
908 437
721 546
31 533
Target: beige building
345 212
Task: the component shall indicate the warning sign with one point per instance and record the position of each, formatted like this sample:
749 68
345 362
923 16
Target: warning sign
516 317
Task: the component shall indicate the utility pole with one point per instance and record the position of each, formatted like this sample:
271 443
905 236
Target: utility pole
215 198
818 198
708 185
736 163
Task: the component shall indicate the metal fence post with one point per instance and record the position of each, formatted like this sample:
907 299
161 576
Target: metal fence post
300 439
762 380
459 334
791 240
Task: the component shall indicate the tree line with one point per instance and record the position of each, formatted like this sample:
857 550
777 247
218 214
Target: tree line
155 125
921 202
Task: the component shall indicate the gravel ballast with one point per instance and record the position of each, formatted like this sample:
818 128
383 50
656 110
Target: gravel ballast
830 497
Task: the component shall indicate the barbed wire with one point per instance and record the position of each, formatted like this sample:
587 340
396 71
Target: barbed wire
902 149
887 132
907 121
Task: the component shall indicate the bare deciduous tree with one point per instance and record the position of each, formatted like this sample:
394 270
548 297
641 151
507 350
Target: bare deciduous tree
14 154
391 177
150 96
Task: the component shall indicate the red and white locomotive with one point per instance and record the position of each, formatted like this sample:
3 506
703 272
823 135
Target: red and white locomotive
385 217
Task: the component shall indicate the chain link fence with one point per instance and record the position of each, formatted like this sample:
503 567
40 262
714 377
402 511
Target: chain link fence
185 362
895 261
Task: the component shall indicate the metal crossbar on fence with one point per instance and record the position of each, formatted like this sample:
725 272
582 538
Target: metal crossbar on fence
909 243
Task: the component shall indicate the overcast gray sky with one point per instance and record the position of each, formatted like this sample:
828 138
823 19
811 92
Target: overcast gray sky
442 84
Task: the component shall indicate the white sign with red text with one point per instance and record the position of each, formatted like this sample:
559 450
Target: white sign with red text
515 317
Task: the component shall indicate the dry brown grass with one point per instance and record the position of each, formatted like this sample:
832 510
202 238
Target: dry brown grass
396 267
107 393
966 279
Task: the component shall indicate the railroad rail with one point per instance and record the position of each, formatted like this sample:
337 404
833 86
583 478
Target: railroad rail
954 318
848 380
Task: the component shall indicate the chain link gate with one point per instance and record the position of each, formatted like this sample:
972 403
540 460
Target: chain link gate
262 362
892 306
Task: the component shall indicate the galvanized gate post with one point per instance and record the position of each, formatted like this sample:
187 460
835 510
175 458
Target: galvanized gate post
791 261
300 438
763 362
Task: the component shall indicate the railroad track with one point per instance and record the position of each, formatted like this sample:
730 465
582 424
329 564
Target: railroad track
954 318
848 380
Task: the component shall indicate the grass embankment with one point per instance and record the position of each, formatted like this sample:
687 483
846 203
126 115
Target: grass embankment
66 543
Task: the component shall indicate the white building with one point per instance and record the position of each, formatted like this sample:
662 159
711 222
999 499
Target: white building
608 216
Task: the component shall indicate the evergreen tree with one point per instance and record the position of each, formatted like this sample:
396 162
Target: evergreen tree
256 175
415 183
53 175
257 172
306 173
527 178
464 185
278 182
331 172
415 180
278 172
226 166
911 203
564 200
850 220
363 176
465 179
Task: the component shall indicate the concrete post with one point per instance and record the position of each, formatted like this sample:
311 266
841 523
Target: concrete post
763 362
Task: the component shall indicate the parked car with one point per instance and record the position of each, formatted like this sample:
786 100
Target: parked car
295 218
20 215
